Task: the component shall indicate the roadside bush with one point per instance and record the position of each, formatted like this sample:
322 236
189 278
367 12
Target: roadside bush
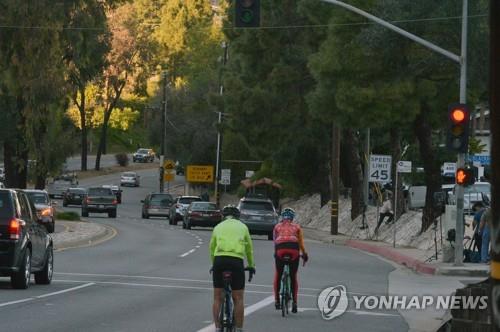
69 215
122 159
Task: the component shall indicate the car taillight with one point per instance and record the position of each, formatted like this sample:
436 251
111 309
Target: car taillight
195 214
88 200
15 229
115 202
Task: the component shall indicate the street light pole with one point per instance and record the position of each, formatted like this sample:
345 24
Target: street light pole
219 122
462 61
163 131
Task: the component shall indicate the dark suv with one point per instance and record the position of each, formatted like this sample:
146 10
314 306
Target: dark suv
259 215
99 199
25 245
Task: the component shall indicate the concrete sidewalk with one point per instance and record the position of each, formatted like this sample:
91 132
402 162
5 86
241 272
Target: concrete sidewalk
77 234
413 258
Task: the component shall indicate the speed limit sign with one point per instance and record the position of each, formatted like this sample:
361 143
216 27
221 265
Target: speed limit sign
380 168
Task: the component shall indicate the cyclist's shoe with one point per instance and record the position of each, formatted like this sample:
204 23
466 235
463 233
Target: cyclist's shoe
277 305
294 307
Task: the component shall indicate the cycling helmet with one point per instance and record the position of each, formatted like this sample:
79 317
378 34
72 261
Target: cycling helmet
230 210
287 214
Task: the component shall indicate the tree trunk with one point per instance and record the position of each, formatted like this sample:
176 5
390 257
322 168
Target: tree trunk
102 140
356 172
40 181
83 122
395 134
423 132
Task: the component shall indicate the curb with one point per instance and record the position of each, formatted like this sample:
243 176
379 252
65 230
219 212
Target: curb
415 264
394 256
104 234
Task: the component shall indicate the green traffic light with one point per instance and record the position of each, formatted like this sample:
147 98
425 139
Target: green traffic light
247 16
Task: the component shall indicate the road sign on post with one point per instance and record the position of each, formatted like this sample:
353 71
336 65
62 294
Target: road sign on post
380 168
404 166
225 177
200 173
168 176
168 164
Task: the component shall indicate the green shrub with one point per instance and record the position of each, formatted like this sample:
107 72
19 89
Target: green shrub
68 215
122 159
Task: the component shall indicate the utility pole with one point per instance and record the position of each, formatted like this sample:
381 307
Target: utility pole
462 61
219 137
495 159
366 183
334 217
163 130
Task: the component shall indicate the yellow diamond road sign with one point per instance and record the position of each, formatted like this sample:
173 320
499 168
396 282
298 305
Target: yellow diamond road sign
200 173
168 164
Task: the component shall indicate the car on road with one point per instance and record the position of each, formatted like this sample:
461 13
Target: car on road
156 205
479 192
179 207
179 170
25 245
203 214
61 183
100 200
116 190
73 196
2 175
44 208
259 215
143 156
130 179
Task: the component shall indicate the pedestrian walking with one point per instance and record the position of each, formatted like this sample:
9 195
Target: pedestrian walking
386 211
484 229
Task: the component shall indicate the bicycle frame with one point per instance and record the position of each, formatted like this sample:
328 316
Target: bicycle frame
226 315
285 289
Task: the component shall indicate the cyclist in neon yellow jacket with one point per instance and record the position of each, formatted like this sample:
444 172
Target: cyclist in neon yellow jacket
229 245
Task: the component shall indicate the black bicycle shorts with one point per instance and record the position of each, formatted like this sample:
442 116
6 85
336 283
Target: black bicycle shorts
232 264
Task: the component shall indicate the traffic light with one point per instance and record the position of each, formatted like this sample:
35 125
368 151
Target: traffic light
465 176
247 13
458 129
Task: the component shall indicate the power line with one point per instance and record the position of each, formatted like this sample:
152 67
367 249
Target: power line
303 26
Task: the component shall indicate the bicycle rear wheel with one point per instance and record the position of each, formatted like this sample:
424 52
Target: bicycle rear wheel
284 295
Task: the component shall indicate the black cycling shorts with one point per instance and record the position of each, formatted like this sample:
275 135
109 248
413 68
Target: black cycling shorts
232 264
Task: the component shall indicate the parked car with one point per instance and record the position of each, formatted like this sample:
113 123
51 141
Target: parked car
143 155
259 215
179 170
204 214
130 179
157 205
25 245
73 196
179 207
100 200
478 192
61 183
116 190
44 208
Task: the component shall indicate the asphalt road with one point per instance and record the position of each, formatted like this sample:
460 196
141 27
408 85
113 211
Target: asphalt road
154 277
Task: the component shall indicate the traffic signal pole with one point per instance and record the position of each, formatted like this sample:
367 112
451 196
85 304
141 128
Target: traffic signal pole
163 131
462 61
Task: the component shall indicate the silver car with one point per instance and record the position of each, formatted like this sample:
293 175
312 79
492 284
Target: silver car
130 179
178 209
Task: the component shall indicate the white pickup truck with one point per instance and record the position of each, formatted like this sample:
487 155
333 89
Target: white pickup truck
60 184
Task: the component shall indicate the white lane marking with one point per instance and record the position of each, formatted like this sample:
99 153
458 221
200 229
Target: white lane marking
248 311
15 302
187 253
197 247
179 279
46 295
65 290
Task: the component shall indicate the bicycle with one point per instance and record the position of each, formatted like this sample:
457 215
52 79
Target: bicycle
226 313
286 285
